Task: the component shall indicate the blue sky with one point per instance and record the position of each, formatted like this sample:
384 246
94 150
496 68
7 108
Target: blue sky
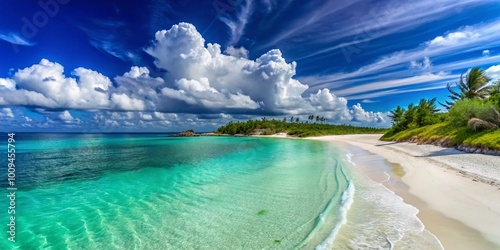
159 65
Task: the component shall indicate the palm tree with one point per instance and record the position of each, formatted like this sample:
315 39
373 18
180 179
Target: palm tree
473 86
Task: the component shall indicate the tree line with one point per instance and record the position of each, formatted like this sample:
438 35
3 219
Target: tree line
295 127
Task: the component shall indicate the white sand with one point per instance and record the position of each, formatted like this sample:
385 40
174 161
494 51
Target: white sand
461 186
277 135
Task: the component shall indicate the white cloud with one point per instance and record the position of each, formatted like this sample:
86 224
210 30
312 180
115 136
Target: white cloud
323 99
486 52
136 72
380 75
66 116
423 65
396 84
7 112
7 83
360 115
147 117
27 119
493 72
205 77
200 80
329 26
45 85
105 35
454 38
68 119
16 39
236 52
201 93
124 102
165 116
237 24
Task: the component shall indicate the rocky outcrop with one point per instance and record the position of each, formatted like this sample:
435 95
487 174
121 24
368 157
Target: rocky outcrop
470 149
187 133
447 142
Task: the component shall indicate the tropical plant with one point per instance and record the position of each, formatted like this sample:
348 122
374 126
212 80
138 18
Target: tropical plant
425 114
474 85
397 114
466 109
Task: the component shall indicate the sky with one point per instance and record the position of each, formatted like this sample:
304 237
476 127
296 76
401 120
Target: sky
166 66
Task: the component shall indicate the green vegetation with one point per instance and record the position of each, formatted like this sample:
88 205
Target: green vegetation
472 119
300 129
474 86
261 212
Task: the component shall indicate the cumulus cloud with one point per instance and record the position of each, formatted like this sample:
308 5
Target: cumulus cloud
453 38
7 112
124 102
7 83
360 115
236 52
45 85
66 116
205 77
493 72
199 79
201 93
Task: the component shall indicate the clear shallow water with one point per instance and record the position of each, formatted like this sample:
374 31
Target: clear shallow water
156 192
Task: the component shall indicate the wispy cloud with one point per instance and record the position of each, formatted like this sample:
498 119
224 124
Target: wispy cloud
409 84
104 36
237 24
332 29
401 65
16 39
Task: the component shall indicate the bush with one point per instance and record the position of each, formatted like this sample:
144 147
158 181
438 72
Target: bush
495 100
463 110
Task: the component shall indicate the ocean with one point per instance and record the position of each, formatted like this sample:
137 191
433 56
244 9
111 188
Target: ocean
152 191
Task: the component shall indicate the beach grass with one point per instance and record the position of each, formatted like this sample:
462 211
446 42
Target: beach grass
446 134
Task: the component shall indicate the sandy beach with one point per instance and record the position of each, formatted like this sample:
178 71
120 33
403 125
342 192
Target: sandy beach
457 194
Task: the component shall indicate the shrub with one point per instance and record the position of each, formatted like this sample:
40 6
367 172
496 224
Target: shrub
463 110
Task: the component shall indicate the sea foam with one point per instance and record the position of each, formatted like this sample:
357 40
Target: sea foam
347 200
378 218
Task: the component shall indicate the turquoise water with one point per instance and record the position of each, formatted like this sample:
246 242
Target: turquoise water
157 192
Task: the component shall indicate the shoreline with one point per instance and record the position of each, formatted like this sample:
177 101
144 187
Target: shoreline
457 195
